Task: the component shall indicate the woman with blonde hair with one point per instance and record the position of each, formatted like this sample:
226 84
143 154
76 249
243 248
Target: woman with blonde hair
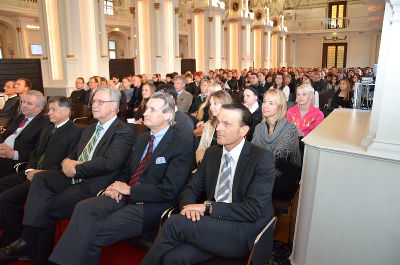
278 135
304 115
208 137
203 113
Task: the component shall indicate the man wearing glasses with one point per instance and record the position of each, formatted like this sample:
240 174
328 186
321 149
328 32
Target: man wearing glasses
78 96
94 164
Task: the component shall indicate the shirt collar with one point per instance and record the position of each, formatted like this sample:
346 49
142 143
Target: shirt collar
161 133
235 152
13 96
61 124
179 93
254 108
107 124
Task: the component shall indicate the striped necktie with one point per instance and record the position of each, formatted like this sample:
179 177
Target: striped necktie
224 180
88 148
22 124
135 178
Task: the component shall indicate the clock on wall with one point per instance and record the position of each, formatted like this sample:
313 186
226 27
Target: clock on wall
235 5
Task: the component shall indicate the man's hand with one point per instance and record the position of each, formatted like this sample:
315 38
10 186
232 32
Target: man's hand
193 211
68 167
30 174
120 187
6 151
113 194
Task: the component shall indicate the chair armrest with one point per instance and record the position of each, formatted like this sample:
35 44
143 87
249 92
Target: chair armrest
262 256
101 192
165 215
272 222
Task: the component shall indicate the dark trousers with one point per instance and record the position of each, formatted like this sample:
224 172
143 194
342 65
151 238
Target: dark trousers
182 241
7 166
51 198
97 222
13 191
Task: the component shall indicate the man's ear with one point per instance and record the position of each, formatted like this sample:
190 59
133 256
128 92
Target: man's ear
244 130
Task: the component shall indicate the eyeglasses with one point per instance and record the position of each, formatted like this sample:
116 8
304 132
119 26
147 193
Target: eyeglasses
100 102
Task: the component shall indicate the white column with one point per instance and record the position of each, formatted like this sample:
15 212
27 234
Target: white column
177 58
293 51
157 27
283 62
268 50
210 51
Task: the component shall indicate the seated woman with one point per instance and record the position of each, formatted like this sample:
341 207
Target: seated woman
208 137
307 80
126 87
333 83
202 115
147 91
279 83
342 97
200 98
278 135
304 115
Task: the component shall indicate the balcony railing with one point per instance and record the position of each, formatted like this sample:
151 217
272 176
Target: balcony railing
117 14
327 24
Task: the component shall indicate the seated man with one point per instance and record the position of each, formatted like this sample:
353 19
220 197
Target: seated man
184 99
10 106
94 164
236 178
56 142
132 206
22 136
78 96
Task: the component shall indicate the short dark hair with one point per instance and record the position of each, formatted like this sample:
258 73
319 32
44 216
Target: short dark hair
168 89
114 75
62 101
247 118
28 82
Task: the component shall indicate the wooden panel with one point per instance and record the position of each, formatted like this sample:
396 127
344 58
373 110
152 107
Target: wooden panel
188 65
12 69
122 67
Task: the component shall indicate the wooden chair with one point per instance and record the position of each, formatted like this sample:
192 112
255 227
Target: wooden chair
81 111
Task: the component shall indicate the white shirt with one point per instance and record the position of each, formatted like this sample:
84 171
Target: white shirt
285 90
254 108
101 134
235 154
10 141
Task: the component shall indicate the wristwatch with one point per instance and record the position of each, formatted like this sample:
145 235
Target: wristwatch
208 205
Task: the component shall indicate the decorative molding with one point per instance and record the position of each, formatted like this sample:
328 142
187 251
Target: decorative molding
156 6
189 21
70 56
210 19
335 38
223 22
158 56
134 58
132 10
104 56
265 33
225 28
19 30
44 58
176 10
129 38
177 57
197 10
243 27
210 58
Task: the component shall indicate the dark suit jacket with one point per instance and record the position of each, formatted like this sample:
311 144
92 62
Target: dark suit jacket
136 97
161 181
57 147
251 190
108 158
9 110
79 97
28 138
87 95
184 125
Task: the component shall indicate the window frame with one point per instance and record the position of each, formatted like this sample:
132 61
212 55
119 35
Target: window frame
330 6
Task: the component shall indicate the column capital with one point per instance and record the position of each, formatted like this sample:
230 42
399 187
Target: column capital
156 6
210 19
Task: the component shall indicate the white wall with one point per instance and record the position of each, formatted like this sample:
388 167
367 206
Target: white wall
308 51
32 37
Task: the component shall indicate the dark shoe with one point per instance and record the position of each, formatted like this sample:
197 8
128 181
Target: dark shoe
19 249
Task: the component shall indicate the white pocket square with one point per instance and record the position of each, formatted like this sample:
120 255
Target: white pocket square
160 160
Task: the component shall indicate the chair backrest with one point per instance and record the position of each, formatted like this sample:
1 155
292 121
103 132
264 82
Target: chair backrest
80 111
262 248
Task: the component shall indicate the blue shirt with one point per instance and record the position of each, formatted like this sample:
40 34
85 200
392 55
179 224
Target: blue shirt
157 138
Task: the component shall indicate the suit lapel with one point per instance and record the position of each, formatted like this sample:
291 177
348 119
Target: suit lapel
82 144
14 126
139 150
240 168
30 124
214 165
105 137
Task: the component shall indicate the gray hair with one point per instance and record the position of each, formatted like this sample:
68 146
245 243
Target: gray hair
169 104
40 99
181 77
115 94
307 88
62 101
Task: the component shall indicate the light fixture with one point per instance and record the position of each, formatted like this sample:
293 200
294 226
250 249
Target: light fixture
116 29
32 27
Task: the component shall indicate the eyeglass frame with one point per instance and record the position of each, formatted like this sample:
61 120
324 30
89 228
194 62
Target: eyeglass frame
100 102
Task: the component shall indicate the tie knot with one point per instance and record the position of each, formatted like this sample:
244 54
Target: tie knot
228 157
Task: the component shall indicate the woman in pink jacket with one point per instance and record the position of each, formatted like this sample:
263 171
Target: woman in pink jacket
304 115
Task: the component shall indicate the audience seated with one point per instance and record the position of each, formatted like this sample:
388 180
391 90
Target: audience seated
22 136
147 91
126 87
77 96
209 137
95 163
10 107
149 184
333 83
136 98
156 78
184 100
304 115
342 98
307 80
279 83
250 100
56 142
279 136
237 179
200 99
93 84
191 85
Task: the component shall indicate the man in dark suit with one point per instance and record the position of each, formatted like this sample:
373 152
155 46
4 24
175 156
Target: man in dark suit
11 105
56 142
22 136
237 179
93 84
78 96
137 97
132 206
93 165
